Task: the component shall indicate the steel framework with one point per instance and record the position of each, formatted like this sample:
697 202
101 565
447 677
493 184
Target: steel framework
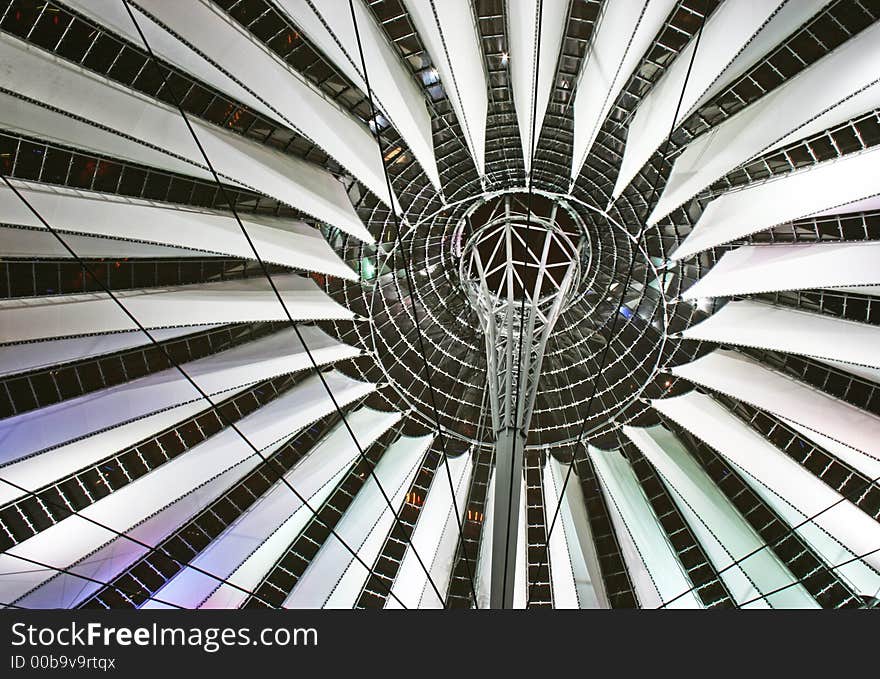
518 270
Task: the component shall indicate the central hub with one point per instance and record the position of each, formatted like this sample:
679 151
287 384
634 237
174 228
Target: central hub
519 263
518 247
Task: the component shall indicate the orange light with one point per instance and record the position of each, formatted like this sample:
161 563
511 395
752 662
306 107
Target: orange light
392 153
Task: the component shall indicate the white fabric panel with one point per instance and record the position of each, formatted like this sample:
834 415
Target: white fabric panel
666 577
334 578
287 94
759 268
640 577
861 577
249 363
563 571
66 591
337 448
484 565
309 478
112 14
721 530
35 472
234 301
758 324
800 194
578 537
32 243
822 86
245 69
621 38
252 570
854 458
483 575
742 445
735 36
346 592
865 205
278 241
74 538
860 103
870 374
435 539
869 290
35 120
448 29
144 130
524 19
17 358
328 24
737 375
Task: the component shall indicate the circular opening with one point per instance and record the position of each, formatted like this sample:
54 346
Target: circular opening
453 320
520 247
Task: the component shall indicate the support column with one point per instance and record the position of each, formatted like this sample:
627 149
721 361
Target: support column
509 447
517 270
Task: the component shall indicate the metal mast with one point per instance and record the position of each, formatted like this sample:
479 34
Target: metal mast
515 273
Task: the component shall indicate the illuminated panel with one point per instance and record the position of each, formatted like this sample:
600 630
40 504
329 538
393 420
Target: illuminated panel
746 448
758 324
817 189
529 69
662 577
822 86
277 354
74 538
743 378
233 301
212 47
127 125
329 25
622 37
735 36
722 531
578 538
757 268
33 244
483 575
334 578
436 534
18 358
279 509
280 241
448 29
